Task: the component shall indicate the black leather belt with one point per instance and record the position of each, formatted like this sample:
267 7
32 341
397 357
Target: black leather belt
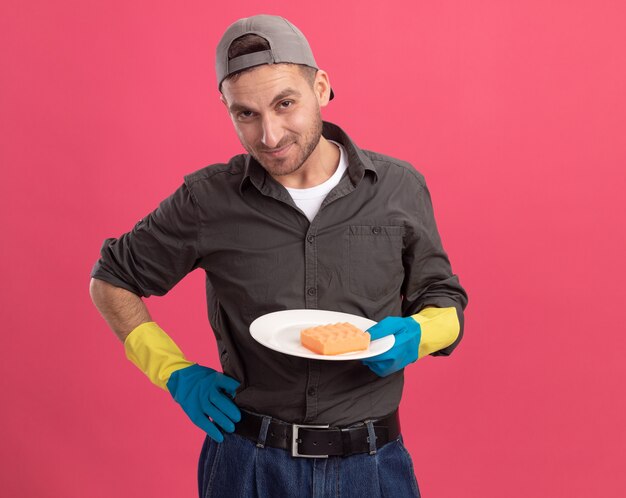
318 441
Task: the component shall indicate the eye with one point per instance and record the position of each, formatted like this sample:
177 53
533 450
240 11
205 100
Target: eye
244 115
285 104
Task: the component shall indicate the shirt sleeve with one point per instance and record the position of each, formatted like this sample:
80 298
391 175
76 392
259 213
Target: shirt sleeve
429 280
158 252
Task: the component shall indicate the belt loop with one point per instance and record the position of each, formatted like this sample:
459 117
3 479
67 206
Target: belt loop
265 423
371 437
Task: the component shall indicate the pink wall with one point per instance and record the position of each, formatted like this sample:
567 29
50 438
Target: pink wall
514 111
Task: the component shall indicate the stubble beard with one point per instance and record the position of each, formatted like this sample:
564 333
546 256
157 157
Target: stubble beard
287 165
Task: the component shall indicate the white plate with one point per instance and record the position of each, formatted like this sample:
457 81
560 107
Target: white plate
280 331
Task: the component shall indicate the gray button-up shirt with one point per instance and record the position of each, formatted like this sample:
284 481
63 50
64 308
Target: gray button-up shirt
372 250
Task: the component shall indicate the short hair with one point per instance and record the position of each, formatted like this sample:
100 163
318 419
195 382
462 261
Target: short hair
250 44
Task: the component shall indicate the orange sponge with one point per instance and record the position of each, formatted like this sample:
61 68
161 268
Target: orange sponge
336 338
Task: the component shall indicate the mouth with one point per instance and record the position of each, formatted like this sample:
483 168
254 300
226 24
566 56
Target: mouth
282 151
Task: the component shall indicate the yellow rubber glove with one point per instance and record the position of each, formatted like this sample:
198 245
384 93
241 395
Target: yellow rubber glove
154 353
205 395
415 336
440 328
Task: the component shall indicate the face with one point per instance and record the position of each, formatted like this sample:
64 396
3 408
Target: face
276 114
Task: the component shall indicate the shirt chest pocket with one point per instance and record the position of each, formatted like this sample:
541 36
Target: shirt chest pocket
375 260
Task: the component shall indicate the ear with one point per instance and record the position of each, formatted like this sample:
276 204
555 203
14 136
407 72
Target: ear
321 87
223 99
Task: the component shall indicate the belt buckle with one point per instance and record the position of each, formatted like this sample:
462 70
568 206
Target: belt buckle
294 439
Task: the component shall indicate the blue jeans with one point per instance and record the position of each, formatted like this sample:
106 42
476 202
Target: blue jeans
237 468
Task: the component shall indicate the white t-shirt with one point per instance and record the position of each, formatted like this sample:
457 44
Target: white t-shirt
309 200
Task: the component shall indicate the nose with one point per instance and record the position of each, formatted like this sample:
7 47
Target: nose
271 132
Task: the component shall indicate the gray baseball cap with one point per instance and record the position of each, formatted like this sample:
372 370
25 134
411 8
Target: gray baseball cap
287 44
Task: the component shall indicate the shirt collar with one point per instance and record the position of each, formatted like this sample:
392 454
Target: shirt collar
358 163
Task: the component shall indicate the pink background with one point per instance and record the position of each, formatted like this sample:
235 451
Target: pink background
514 111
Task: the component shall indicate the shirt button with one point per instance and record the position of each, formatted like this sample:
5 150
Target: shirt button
311 391
376 230
310 238
312 291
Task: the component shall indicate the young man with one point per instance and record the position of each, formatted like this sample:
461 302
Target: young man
305 220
